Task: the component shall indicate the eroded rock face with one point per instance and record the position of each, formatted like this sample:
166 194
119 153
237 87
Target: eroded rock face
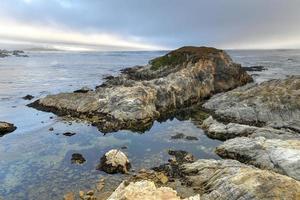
142 94
114 161
6 127
230 179
282 156
145 190
275 103
221 131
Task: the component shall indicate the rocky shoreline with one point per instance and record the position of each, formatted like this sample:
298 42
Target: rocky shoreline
259 124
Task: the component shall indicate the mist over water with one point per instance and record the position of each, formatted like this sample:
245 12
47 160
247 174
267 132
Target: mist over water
35 163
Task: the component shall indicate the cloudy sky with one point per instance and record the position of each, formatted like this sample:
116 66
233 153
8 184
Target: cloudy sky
149 24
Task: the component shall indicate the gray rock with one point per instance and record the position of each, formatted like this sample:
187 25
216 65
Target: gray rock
269 103
221 131
282 156
230 179
142 94
6 127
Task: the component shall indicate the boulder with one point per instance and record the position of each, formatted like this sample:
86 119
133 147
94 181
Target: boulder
140 95
275 103
145 190
114 161
6 127
230 179
282 156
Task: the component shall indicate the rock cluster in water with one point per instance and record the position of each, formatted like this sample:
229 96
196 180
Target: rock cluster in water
17 53
140 95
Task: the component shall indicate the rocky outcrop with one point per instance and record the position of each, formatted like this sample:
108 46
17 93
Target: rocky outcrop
145 190
274 103
142 94
114 161
230 179
6 128
282 156
221 131
17 53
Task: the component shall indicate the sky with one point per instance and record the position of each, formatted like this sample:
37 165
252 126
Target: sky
149 24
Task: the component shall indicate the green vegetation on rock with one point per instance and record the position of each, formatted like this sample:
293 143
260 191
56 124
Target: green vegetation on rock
181 55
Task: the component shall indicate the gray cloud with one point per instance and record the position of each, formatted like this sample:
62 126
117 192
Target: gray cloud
169 23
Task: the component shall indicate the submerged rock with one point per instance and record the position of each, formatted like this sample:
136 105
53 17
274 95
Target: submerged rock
183 136
282 156
145 190
178 136
142 94
77 158
69 196
273 103
6 127
114 161
230 179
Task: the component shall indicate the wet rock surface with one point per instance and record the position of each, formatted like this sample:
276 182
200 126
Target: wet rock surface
114 161
6 127
230 179
274 103
282 156
142 94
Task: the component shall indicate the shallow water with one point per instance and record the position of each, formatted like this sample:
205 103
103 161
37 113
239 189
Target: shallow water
35 163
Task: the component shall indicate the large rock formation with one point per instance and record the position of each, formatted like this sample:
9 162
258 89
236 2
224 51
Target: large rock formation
282 156
142 94
230 179
275 103
6 128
